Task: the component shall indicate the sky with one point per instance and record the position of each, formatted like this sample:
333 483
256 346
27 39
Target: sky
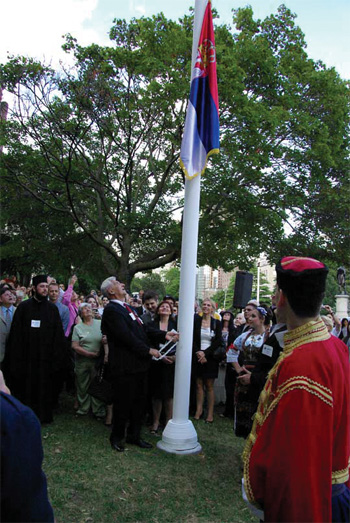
35 27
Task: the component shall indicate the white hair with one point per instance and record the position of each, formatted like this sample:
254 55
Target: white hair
106 285
253 302
82 306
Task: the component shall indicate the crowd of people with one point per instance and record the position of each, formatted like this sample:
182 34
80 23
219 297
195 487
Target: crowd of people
41 361
53 338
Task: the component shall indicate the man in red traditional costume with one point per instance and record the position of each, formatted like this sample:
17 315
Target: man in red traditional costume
296 459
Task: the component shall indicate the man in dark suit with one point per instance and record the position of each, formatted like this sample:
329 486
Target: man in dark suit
23 483
150 303
130 354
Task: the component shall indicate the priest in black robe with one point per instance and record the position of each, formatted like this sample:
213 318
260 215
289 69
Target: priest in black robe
35 351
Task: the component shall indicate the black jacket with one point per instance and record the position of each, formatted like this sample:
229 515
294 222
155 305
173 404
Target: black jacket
266 360
215 326
128 341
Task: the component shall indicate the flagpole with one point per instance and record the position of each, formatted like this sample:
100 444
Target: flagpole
180 436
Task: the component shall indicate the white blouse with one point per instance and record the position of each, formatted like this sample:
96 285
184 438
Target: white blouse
205 338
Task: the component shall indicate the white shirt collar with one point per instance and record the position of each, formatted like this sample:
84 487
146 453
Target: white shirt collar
118 301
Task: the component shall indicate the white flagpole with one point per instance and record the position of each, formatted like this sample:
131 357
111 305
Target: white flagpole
180 436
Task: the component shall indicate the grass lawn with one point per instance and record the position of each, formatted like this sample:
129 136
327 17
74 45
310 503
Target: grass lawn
89 482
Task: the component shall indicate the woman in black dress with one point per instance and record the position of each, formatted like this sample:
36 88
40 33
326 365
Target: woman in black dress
247 348
162 372
206 339
229 334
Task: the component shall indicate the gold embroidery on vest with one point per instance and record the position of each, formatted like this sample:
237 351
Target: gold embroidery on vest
311 331
340 476
316 388
308 333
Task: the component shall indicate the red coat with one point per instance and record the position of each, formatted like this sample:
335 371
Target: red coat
300 441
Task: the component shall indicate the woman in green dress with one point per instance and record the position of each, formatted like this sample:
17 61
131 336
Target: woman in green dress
87 341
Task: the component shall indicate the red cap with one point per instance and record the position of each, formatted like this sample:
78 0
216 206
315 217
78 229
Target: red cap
294 271
300 264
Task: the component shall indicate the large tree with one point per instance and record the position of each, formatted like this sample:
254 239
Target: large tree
97 144
284 158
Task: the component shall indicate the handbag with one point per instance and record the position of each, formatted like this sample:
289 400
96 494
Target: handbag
220 353
100 388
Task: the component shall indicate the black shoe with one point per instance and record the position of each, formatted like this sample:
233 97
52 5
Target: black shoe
116 445
140 443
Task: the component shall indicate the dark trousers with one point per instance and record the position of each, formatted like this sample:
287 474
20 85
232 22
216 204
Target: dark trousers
230 383
130 393
65 375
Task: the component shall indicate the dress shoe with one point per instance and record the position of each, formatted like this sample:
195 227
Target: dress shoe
140 443
116 445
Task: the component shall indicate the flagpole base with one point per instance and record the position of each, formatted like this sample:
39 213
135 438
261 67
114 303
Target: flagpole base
179 438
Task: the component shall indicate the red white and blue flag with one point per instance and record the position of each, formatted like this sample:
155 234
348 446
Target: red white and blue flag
201 135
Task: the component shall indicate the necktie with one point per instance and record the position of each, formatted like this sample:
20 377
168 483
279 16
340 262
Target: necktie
131 311
8 316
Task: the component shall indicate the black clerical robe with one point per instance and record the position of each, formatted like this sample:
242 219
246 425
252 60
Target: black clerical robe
35 354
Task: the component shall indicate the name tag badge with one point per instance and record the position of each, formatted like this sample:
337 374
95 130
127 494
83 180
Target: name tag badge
35 324
132 316
267 350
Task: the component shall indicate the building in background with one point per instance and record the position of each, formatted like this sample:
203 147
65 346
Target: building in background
209 281
205 281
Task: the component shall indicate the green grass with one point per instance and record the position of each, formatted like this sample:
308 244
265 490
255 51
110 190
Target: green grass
89 482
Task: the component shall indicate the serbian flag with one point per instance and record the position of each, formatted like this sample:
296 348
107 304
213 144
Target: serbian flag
201 135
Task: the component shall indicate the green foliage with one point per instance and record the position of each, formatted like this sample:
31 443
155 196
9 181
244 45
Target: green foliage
332 287
152 281
282 152
171 278
38 239
91 156
264 289
106 137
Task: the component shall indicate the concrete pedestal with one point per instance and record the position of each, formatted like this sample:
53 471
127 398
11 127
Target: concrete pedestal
342 306
179 438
